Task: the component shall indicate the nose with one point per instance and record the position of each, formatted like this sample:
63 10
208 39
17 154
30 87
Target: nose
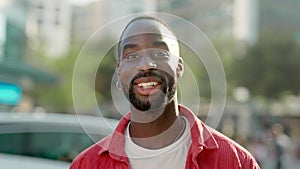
146 63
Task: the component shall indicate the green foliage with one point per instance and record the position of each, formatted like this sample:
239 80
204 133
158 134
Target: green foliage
270 68
225 48
195 65
58 97
104 76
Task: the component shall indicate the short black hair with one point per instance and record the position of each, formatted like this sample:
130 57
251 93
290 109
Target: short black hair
140 18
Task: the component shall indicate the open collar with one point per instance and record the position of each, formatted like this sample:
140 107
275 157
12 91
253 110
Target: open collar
200 133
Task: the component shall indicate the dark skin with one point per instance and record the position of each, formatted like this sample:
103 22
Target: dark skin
160 126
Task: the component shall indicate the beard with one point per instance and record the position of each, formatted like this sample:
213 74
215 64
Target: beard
143 103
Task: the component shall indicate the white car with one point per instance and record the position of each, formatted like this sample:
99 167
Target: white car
36 137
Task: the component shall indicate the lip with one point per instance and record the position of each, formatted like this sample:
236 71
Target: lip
147 85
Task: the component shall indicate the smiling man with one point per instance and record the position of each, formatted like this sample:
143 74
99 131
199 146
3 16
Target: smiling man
158 132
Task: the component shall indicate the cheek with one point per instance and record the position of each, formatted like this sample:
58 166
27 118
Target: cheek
168 68
126 74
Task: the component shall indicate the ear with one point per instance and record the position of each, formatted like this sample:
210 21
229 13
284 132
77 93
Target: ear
118 70
180 68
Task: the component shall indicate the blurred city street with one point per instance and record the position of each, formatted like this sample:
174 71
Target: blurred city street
41 41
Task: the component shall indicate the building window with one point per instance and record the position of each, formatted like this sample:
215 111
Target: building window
40 21
40 6
57 19
57 9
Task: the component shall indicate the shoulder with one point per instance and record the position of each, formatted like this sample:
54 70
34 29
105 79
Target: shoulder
231 152
227 143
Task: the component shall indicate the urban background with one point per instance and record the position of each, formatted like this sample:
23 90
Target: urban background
258 42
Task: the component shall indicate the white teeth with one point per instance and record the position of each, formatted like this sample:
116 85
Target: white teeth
147 85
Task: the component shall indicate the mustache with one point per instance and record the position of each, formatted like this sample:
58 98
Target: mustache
154 73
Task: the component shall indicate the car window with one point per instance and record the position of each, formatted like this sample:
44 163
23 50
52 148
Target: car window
10 161
54 145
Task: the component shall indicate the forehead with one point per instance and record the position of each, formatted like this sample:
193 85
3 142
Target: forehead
148 33
146 26
144 40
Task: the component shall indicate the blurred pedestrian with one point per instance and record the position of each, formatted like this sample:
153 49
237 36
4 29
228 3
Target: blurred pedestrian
281 142
158 132
259 150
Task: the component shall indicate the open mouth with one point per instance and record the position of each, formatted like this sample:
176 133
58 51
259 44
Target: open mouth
147 85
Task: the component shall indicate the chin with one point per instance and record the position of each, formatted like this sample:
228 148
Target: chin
144 104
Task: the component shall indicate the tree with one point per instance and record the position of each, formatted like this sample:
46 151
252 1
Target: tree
269 68
57 97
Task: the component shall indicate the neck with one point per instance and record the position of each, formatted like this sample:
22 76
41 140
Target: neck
162 126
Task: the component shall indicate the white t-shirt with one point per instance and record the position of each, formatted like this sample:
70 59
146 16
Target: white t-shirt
173 156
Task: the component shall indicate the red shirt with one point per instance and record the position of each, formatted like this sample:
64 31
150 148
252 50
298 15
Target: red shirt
209 149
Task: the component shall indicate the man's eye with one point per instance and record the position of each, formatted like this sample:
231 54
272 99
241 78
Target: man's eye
131 56
160 53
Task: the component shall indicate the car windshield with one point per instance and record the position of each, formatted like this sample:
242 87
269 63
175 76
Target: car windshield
58 146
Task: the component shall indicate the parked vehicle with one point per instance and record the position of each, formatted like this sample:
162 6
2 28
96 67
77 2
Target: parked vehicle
10 161
51 136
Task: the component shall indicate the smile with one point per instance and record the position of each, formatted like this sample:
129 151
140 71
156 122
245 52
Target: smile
147 84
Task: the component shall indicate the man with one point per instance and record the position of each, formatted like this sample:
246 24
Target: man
158 132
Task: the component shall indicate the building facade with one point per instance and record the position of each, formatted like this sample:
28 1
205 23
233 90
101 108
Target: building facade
48 26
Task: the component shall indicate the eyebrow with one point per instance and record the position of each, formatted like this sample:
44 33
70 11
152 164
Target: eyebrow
160 43
156 44
129 46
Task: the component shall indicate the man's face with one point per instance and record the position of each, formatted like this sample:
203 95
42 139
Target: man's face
149 65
